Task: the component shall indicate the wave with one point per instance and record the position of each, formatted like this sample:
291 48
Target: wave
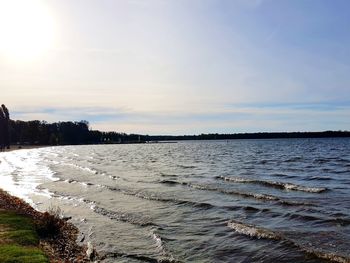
325 255
239 227
322 160
87 169
85 184
139 257
252 209
253 231
265 197
155 197
158 240
301 217
124 217
203 205
280 185
170 182
342 221
320 178
186 166
283 175
338 221
64 196
161 246
168 175
263 233
293 159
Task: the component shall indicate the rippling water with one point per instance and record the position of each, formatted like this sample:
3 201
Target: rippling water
208 201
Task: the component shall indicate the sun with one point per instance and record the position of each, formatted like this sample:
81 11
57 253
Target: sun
26 29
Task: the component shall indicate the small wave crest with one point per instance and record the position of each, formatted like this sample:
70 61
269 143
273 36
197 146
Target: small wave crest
155 197
84 184
158 240
319 178
253 231
263 233
257 196
168 174
142 258
161 246
83 168
184 166
338 221
280 185
124 216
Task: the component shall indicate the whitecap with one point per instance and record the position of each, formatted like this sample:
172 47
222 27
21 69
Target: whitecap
281 185
253 231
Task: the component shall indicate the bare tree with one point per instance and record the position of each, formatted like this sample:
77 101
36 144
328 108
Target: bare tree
6 126
2 129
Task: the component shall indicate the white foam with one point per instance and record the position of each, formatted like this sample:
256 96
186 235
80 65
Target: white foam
22 171
262 233
252 231
282 185
290 186
158 240
87 169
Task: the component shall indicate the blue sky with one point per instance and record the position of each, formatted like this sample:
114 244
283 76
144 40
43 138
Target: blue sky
188 66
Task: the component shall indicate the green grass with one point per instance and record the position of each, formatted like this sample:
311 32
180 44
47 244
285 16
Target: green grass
22 237
18 239
14 220
20 254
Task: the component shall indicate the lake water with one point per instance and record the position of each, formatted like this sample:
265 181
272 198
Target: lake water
197 201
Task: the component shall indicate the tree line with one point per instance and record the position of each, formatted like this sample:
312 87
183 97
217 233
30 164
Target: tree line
259 135
65 133
74 133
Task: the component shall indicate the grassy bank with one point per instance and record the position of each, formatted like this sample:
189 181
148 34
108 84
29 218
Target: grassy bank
19 240
27 235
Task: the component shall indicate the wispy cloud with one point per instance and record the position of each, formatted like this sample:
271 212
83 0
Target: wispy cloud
230 119
190 66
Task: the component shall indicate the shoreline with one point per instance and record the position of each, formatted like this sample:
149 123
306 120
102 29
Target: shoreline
57 236
23 147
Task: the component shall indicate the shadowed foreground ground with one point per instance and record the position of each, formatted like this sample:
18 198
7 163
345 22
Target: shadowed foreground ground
27 235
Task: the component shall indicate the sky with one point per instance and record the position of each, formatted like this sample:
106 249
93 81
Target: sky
178 66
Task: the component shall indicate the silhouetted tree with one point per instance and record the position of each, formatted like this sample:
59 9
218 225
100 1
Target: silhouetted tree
2 129
7 126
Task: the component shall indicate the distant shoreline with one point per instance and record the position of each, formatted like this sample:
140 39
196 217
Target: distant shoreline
259 135
24 147
152 139
41 133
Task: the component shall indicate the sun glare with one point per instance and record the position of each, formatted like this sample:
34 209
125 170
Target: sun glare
26 29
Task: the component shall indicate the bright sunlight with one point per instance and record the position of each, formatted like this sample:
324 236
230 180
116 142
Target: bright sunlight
26 29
